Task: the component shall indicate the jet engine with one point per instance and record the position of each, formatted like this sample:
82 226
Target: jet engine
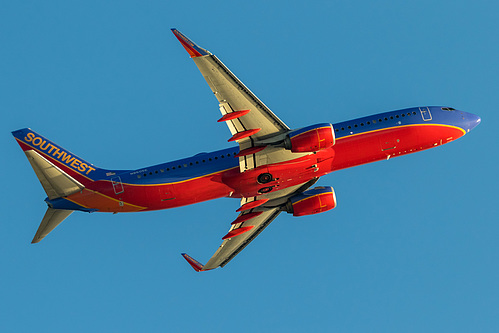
316 200
311 138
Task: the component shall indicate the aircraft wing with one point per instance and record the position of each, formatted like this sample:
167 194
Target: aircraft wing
251 123
256 214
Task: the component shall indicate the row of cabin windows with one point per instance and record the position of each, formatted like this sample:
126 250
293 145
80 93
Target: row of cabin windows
379 120
185 165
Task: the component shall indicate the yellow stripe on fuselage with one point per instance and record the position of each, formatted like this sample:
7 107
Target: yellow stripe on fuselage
401 126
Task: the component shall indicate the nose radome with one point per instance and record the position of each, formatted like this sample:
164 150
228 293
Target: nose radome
472 121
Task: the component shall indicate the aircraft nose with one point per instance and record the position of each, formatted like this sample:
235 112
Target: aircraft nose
471 121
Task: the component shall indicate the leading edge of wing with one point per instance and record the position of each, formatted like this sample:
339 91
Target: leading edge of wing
252 220
192 48
239 236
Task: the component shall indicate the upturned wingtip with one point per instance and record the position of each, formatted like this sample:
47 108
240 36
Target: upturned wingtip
198 267
192 48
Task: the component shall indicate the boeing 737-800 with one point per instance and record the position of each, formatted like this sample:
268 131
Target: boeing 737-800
271 170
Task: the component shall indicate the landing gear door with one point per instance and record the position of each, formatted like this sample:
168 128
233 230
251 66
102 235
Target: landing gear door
117 185
425 113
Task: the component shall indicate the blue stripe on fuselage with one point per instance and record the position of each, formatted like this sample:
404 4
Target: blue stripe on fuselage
209 163
184 169
393 119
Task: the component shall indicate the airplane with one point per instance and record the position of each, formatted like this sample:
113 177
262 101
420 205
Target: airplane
271 170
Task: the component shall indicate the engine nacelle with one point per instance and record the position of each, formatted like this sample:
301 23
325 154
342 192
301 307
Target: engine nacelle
316 200
311 138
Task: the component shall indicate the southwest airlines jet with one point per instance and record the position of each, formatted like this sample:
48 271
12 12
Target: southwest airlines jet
271 170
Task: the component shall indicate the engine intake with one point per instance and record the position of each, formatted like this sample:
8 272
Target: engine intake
314 201
311 138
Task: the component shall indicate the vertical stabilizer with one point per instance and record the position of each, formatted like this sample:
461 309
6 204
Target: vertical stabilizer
52 218
65 160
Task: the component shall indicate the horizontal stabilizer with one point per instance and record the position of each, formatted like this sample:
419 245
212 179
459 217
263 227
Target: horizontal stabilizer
55 182
52 218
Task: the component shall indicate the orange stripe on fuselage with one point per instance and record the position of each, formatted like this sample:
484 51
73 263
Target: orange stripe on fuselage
350 151
95 200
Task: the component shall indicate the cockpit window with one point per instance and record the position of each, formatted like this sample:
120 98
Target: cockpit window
448 109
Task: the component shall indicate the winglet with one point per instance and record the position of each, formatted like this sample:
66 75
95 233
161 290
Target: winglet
198 267
193 49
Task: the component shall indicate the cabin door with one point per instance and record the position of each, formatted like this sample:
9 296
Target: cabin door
117 185
425 113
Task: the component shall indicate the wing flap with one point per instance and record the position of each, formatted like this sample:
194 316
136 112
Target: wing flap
232 246
256 214
249 120
233 95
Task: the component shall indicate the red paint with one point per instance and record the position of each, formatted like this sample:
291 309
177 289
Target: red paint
347 152
237 232
250 151
246 217
313 140
252 204
314 205
198 267
185 43
370 147
244 134
233 115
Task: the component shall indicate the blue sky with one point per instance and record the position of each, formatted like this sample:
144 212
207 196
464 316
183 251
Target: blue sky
411 247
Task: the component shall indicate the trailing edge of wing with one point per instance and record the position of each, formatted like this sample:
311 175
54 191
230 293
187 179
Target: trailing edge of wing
246 116
233 246
252 220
